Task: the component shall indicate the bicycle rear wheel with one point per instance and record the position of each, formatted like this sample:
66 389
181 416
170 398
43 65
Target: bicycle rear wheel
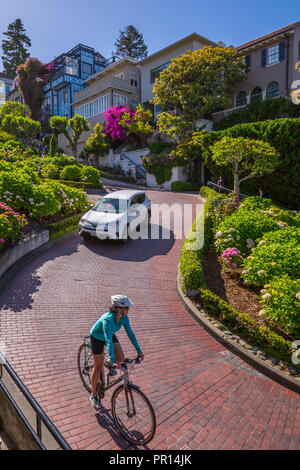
85 364
133 414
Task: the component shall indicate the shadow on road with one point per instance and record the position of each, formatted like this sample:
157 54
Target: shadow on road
134 250
18 294
107 422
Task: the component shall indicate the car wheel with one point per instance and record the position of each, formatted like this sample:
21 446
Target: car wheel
124 237
86 236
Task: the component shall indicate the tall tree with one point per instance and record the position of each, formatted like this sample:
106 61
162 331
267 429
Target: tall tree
32 77
14 48
131 43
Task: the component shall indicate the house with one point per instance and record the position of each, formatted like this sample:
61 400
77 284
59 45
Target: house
152 65
116 84
71 69
5 87
271 68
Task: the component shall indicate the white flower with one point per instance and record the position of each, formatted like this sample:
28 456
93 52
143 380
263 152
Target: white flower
219 234
262 242
249 241
298 295
17 197
262 313
245 271
260 272
238 237
232 230
266 296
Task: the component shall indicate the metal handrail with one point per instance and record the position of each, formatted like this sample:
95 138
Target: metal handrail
41 416
223 189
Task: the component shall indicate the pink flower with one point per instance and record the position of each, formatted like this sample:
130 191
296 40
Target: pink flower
2 240
234 265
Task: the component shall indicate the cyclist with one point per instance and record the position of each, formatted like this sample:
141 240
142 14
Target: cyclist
103 333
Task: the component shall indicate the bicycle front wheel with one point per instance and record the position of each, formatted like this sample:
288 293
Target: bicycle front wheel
133 414
85 363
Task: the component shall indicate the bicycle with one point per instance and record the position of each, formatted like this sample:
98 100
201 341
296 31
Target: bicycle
131 409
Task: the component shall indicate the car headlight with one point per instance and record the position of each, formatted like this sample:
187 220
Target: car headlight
83 221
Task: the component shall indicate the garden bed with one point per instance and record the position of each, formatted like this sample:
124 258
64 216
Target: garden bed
229 287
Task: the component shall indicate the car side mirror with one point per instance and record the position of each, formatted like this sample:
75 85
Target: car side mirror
91 206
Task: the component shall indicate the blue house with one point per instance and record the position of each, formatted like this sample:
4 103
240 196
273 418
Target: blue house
70 71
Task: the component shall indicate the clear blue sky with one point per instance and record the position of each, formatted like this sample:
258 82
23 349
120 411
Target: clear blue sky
55 26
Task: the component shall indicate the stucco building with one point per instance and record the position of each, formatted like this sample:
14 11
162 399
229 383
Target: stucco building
271 70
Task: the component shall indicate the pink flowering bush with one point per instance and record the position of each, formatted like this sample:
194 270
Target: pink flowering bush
113 127
10 223
230 259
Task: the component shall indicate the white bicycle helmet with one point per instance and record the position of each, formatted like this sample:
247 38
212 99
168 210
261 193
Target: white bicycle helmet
120 301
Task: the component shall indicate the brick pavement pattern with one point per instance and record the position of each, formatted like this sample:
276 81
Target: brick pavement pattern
204 396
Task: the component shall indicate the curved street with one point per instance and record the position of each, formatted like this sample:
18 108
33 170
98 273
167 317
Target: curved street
204 396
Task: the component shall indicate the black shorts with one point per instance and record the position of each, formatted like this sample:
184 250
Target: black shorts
98 346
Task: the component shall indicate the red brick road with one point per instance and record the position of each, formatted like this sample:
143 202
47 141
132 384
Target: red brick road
204 396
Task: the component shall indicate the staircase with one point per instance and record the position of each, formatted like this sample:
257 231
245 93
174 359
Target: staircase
140 172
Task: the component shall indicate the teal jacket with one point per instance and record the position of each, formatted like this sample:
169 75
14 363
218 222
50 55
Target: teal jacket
107 325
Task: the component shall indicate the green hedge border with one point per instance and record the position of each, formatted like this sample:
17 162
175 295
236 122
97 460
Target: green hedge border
81 184
57 229
240 323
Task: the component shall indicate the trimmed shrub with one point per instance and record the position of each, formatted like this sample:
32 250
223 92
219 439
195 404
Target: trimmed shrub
281 304
50 171
90 174
243 230
272 258
71 173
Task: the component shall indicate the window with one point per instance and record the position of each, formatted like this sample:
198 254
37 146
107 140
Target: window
71 66
7 89
273 55
86 68
241 99
272 90
256 94
66 96
247 61
119 100
154 73
55 100
134 80
93 108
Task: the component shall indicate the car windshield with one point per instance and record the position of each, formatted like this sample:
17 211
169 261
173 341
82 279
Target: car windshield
111 206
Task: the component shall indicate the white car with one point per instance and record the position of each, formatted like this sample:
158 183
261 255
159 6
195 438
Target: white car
115 215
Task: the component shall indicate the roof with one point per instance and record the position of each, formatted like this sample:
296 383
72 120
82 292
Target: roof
123 194
113 65
193 36
278 32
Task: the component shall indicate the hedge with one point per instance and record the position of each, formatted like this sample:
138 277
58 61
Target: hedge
260 111
191 260
81 184
185 186
273 344
57 229
282 186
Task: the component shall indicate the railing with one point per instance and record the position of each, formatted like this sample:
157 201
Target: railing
222 189
41 416
140 170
